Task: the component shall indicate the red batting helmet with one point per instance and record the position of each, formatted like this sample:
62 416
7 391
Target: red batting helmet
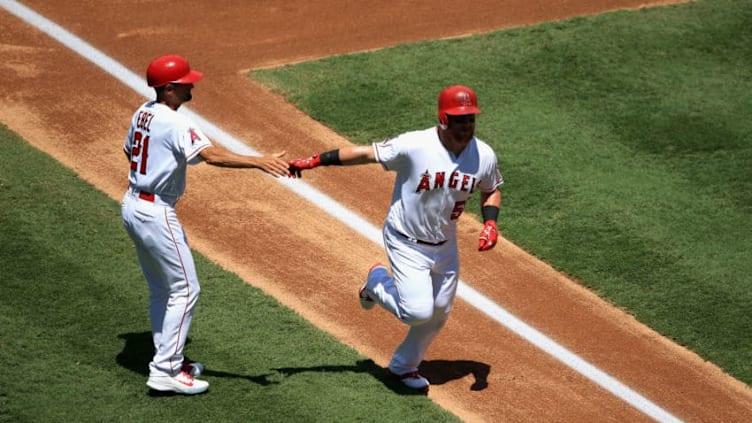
457 100
170 69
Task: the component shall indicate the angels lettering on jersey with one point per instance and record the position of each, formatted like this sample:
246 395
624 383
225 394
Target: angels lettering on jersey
437 180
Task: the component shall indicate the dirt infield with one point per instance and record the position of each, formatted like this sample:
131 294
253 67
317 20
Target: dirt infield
244 220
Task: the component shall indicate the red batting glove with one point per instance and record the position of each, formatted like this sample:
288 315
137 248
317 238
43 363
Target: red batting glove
296 166
488 236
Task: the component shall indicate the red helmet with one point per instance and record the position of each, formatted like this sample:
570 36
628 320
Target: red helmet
170 69
457 100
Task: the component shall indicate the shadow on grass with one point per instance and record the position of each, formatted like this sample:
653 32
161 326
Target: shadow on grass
438 372
138 351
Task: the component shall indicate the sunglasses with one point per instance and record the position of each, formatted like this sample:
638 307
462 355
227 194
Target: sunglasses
463 118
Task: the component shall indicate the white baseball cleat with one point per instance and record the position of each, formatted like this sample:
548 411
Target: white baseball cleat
182 383
193 368
412 380
365 301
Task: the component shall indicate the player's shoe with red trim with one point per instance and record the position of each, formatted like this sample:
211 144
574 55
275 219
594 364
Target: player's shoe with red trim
182 383
365 300
412 380
193 368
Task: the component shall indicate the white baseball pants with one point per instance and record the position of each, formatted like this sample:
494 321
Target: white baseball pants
167 263
420 293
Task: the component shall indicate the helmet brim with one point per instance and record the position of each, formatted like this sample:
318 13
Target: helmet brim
189 78
463 110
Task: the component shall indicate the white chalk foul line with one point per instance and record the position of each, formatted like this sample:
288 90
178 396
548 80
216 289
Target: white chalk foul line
346 216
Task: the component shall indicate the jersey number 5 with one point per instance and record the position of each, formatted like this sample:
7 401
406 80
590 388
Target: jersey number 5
139 152
459 207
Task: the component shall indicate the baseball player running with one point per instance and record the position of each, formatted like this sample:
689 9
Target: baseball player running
438 169
160 144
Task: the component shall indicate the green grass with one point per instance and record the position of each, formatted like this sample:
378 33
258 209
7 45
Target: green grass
74 330
624 139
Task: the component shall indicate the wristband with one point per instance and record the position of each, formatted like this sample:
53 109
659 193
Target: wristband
490 213
330 158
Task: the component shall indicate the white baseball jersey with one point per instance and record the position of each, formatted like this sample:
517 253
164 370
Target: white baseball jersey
432 184
161 143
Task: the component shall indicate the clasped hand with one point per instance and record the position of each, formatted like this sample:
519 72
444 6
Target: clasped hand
297 166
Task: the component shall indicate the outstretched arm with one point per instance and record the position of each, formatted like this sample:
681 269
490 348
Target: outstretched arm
220 156
357 154
346 156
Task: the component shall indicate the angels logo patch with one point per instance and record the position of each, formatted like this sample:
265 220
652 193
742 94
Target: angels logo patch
194 136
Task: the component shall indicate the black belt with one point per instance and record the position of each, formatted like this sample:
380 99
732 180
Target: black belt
419 241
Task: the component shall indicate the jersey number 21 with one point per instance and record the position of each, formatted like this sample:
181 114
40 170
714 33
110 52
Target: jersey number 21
139 152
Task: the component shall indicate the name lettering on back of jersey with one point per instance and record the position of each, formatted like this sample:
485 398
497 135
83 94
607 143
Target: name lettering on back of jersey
144 120
457 180
194 136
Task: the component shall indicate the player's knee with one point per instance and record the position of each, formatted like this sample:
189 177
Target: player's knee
417 314
193 294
